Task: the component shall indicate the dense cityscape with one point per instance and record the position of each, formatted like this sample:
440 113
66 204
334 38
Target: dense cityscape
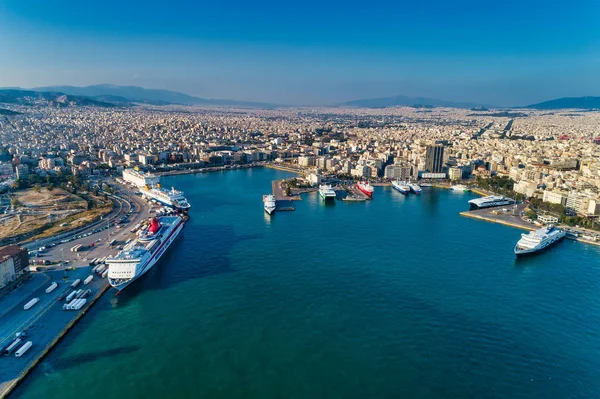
553 156
81 194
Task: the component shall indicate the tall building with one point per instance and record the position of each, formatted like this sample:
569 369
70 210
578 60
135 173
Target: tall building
13 264
434 158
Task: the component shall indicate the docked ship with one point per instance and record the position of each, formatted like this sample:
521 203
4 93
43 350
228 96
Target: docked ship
171 198
326 192
141 255
401 186
490 201
460 188
538 240
365 187
269 203
414 187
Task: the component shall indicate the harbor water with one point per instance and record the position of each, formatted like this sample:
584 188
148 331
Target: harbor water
398 297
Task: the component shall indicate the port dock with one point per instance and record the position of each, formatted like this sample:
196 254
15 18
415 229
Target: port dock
353 194
45 324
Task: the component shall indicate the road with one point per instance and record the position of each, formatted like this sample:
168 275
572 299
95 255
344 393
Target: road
99 233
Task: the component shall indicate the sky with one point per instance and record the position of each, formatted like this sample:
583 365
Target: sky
309 52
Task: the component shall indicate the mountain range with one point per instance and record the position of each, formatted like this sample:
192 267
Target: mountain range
106 95
134 94
397 101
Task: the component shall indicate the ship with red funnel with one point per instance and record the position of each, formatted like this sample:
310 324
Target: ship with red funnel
365 188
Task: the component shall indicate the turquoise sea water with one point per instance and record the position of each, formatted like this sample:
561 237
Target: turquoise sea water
399 297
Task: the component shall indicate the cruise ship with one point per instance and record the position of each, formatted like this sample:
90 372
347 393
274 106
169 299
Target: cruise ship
141 254
491 201
326 192
414 187
401 186
171 198
270 203
365 187
538 240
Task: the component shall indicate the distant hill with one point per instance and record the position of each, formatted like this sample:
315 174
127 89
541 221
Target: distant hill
397 101
27 97
567 102
149 96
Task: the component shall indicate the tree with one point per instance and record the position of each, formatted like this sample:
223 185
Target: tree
36 188
15 202
50 187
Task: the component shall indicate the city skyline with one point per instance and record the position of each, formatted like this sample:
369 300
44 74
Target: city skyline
318 55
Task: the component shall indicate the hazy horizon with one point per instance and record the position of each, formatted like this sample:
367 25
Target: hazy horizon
500 54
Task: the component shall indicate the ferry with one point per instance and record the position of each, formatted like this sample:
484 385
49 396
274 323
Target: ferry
490 201
171 198
326 192
401 186
460 188
538 240
141 255
414 187
365 187
269 203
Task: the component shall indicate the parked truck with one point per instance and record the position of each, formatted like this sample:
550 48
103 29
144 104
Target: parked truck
31 303
23 349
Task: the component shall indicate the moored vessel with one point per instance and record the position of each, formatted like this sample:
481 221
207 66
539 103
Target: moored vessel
327 192
401 186
537 240
141 255
365 188
414 187
171 198
490 201
460 188
270 204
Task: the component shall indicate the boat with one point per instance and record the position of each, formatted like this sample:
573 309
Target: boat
537 240
327 192
270 203
401 186
414 187
171 198
490 201
141 254
460 188
426 184
365 188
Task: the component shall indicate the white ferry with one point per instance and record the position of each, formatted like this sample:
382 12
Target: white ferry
490 201
460 188
326 192
141 255
171 198
269 203
401 186
538 240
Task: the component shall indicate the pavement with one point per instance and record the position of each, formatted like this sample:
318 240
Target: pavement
46 322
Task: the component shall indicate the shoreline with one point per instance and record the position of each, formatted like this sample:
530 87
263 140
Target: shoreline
48 348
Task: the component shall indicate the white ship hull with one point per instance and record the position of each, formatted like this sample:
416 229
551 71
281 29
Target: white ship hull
559 235
404 189
143 269
164 200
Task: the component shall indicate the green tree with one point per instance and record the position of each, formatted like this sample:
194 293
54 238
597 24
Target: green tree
37 188
50 187
15 202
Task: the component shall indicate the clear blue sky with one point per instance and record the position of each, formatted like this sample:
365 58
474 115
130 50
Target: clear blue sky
499 52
